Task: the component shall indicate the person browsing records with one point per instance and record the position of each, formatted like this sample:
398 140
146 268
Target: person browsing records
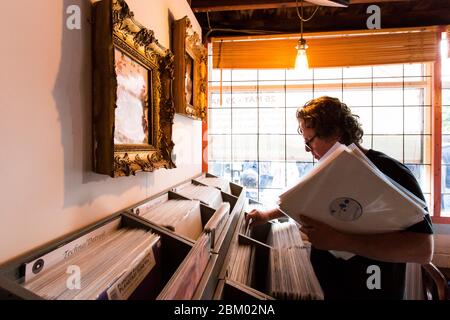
323 122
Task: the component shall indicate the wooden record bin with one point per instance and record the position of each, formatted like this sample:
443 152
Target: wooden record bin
173 254
221 240
187 268
228 289
236 190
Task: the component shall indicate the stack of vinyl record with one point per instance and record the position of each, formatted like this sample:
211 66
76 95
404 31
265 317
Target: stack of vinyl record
181 216
241 265
219 183
109 268
284 235
292 276
211 196
348 192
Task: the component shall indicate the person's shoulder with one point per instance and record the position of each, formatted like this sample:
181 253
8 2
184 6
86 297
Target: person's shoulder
382 158
387 164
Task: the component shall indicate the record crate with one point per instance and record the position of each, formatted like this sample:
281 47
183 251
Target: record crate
173 257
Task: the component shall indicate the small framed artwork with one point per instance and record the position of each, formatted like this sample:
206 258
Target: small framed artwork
190 71
133 104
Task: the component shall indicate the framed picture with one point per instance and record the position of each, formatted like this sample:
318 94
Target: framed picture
190 71
133 104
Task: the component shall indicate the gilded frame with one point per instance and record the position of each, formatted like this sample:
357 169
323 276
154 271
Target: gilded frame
187 47
116 30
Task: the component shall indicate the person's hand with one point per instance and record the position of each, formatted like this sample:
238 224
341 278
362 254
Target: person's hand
321 235
256 217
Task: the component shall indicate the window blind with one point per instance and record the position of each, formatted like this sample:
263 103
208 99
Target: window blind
329 50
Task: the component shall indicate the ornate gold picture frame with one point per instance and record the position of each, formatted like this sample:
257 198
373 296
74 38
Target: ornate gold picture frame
190 82
133 106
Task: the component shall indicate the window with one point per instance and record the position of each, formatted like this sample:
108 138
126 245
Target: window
445 173
253 130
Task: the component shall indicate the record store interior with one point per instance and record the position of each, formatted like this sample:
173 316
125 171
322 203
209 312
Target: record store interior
225 150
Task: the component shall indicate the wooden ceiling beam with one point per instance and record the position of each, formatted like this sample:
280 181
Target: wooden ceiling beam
230 5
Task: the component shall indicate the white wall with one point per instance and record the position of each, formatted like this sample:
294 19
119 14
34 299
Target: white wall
47 186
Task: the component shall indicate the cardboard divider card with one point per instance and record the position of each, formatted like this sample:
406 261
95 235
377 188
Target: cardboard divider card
210 196
181 216
220 183
116 264
39 265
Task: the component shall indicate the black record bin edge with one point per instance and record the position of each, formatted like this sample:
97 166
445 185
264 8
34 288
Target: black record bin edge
12 271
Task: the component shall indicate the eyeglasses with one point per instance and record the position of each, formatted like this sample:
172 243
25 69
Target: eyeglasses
307 141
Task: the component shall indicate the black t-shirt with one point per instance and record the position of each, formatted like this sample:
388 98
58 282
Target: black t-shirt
347 279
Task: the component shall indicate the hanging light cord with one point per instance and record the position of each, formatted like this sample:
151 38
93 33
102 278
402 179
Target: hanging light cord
300 15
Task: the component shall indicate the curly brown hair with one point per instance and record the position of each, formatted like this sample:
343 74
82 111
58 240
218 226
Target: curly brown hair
329 117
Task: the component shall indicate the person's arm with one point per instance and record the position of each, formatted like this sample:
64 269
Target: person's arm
259 217
402 246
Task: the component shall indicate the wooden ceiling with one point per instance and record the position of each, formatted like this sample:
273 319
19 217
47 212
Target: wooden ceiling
261 17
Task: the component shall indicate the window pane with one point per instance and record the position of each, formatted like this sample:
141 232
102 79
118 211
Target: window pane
217 73
292 74
247 171
272 174
446 120
418 149
327 73
445 205
245 147
357 97
417 120
445 181
296 99
269 197
357 72
414 97
271 121
393 70
221 169
446 149
392 145
272 99
296 170
330 88
219 148
291 121
244 99
446 97
295 149
245 121
367 141
244 75
413 70
328 93
365 118
219 121
271 147
218 99
387 97
272 74
422 175
387 120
